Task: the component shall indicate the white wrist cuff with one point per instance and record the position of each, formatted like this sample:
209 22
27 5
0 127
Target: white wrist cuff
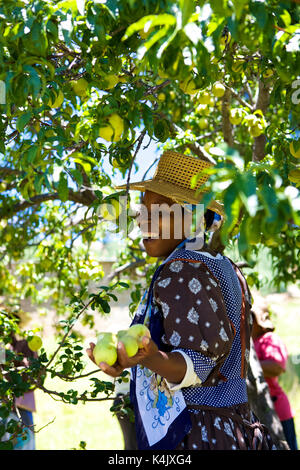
190 378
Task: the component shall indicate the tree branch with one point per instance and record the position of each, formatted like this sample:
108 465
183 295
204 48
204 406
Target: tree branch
226 124
238 98
129 265
262 103
139 143
53 393
6 171
194 147
84 197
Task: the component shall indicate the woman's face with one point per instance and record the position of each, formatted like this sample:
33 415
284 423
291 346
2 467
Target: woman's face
162 224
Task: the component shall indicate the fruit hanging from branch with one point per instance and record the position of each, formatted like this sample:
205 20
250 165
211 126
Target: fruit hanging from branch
113 130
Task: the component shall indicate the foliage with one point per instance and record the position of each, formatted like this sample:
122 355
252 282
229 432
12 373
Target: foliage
67 68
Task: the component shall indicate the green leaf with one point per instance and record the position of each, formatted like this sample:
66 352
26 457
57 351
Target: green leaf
38 181
187 8
77 176
23 120
258 9
68 5
104 305
148 44
230 196
153 20
270 201
239 6
32 153
247 185
286 18
62 187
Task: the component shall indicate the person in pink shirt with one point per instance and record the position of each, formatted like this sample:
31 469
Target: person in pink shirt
272 354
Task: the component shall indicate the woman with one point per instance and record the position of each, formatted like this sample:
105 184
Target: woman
188 385
273 355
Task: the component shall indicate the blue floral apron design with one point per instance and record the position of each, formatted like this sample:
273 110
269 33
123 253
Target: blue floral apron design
161 416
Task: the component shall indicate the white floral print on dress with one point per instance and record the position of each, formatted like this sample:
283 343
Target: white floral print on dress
217 423
194 285
164 282
165 309
175 338
204 434
176 266
193 316
213 282
223 334
204 345
227 429
213 304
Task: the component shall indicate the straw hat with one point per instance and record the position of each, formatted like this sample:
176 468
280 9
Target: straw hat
172 179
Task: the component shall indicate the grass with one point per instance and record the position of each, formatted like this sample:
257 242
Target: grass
64 426
92 423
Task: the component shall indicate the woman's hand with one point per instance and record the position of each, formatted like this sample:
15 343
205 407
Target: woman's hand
124 362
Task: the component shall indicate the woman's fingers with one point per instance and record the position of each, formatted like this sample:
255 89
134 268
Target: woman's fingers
113 371
123 358
124 362
89 352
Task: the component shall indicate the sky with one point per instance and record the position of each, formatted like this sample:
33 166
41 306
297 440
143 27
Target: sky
144 159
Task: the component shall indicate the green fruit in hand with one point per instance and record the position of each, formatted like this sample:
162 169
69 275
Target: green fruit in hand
35 343
121 333
105 353
139 331
218 89
107 338
106 349
130 343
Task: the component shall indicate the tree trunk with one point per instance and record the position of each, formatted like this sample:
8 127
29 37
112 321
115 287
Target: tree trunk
261 403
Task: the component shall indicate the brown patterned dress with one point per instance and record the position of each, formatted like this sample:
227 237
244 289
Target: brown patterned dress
205 304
